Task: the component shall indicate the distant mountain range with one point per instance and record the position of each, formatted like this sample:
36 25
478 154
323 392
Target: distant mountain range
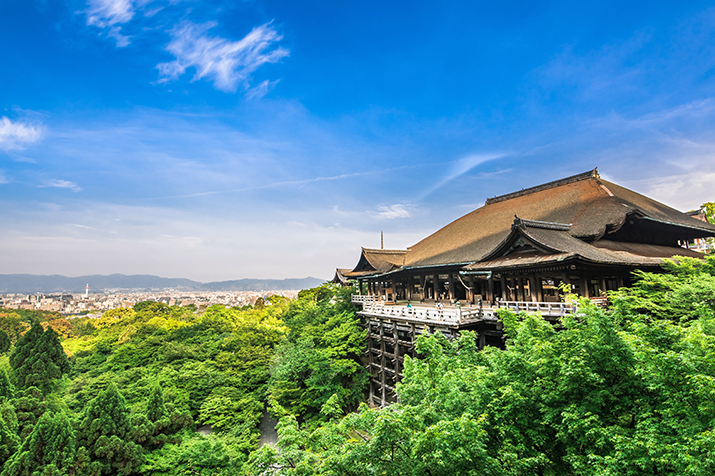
29 283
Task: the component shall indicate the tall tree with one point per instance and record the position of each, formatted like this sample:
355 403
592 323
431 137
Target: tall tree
8 441
6 388
29 406
50 449
41 361
105 431
160 424
23 350
4 341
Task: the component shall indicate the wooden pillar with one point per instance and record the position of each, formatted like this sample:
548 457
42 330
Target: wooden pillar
602 280
585 284
519 289
450 276
470 291
396 351
423 293
490 290
435 286
382 364
537 289
532 287
393 283
369 362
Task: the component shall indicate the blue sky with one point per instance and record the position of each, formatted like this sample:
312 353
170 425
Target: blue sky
221 139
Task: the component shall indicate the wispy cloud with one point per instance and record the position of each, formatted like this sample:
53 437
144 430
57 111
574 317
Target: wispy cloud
392 212
3 179
299 183
109 15
460 167
62 184
17 135
261 90
226 63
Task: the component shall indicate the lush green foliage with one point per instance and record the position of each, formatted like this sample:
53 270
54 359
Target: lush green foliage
140 381
320 358
4 341
50 449
625 391
38 359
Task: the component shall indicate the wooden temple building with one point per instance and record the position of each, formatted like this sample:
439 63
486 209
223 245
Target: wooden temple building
514 252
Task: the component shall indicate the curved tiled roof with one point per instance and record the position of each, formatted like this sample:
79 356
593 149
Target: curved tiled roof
592 206
380 260
557 245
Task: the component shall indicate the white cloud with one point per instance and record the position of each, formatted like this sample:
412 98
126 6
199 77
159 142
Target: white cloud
261 90
460 167
63 184
393 211
681 191
106 13
226 63
16 135
3 178
109 14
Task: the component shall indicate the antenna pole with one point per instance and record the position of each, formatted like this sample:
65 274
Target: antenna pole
382 240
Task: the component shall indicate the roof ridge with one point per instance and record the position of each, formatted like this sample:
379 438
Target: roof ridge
382 250
556 183
547 225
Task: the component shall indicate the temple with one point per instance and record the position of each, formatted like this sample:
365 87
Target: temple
518 251
582 231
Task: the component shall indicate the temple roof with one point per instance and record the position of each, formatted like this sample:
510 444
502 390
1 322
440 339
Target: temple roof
580 216
592 206
532 243
378 261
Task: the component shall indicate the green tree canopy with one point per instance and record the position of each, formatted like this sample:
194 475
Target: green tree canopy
4 341
23 350
320 357
40 360
709 209
50 449
104 430
7 390
623 391
8 441
29 405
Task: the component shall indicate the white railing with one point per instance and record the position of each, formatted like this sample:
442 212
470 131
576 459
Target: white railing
358 298
452 315
419 313
373 306
544 308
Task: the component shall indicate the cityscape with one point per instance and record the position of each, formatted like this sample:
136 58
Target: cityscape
97 303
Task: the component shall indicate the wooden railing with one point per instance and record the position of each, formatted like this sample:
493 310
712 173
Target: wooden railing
451 314
358 298
544 308
371 305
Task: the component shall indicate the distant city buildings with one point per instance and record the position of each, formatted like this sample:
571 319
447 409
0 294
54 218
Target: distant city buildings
71 304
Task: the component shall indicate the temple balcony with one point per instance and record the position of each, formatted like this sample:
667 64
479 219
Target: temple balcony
453 314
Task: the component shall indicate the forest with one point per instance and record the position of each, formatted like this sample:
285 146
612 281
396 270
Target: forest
623 390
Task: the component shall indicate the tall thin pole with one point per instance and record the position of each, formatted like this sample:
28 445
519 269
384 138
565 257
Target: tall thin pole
382 240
